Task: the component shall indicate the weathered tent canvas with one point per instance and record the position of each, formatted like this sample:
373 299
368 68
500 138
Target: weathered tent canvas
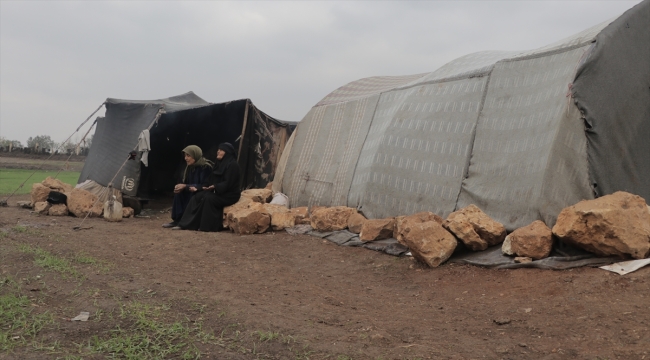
520 134
174 123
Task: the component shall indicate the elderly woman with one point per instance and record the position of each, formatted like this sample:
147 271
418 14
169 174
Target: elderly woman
221 189
197 170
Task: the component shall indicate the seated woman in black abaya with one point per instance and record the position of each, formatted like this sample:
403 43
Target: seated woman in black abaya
197 170
205 210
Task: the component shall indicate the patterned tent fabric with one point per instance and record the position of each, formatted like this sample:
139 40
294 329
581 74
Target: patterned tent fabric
502 130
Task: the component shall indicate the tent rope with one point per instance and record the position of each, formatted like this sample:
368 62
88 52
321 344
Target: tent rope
110 184
76 147
4 202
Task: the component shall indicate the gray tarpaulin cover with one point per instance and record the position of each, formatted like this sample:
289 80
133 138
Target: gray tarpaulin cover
117 133
172 124
520 134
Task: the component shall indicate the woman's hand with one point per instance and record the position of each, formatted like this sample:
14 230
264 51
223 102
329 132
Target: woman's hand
192 189
179 187
211 187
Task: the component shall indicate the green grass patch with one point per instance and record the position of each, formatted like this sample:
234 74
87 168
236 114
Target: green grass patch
10 179
18 324
267 335
146 336
49 261
85 259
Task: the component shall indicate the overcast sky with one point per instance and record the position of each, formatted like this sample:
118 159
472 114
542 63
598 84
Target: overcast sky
59 60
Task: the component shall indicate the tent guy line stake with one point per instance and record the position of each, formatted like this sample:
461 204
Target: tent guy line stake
49 157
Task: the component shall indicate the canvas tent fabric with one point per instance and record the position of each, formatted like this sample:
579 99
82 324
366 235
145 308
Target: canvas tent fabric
519 134
173 123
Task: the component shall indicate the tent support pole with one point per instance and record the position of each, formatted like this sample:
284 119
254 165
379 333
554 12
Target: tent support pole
243 130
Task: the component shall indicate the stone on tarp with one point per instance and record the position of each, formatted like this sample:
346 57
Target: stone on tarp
616 224
534 240
421 217
377 229
249 221
127 212
58 210
80 202
272 209
281 221
258 195
332 218
42 207
475 228
355 222
39 193
302 215
523 259
57 185
429 242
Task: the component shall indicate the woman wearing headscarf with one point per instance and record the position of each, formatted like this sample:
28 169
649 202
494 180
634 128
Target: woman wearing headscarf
197 170
221 189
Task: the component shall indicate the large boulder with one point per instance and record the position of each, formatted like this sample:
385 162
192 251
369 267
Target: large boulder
39 193
281 221
258 195
82 202
429 242
534 241
355 222
475 228
331 219
302 215
58 210
243 203
249 221
42 207
402 222
616 224
377 229
57 185
273 209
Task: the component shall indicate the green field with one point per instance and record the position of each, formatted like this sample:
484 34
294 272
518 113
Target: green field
10 179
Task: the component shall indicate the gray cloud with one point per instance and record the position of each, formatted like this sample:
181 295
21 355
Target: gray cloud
60 60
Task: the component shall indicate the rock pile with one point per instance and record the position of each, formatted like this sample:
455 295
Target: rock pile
79 202
612 225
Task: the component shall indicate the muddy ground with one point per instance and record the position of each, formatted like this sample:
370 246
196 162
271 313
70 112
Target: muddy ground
276 296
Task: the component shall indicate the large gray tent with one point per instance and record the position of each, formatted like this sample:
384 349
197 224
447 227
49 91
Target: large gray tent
520 134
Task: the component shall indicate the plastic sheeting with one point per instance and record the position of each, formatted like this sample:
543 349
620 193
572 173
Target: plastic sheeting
175 123
497 129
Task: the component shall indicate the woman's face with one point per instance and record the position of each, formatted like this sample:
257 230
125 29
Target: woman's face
189 160
220 154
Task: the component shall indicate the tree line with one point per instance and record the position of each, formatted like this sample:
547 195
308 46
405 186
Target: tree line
43 144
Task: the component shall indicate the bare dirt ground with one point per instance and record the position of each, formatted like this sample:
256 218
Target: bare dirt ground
277 296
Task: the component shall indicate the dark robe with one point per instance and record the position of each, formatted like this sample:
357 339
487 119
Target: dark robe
205 210
194 177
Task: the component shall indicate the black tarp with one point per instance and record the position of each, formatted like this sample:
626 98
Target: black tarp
612 90
175 123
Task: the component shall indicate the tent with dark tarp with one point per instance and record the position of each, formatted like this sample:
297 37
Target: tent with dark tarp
519 134
172 124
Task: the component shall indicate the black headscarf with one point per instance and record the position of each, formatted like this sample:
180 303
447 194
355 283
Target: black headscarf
228 158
